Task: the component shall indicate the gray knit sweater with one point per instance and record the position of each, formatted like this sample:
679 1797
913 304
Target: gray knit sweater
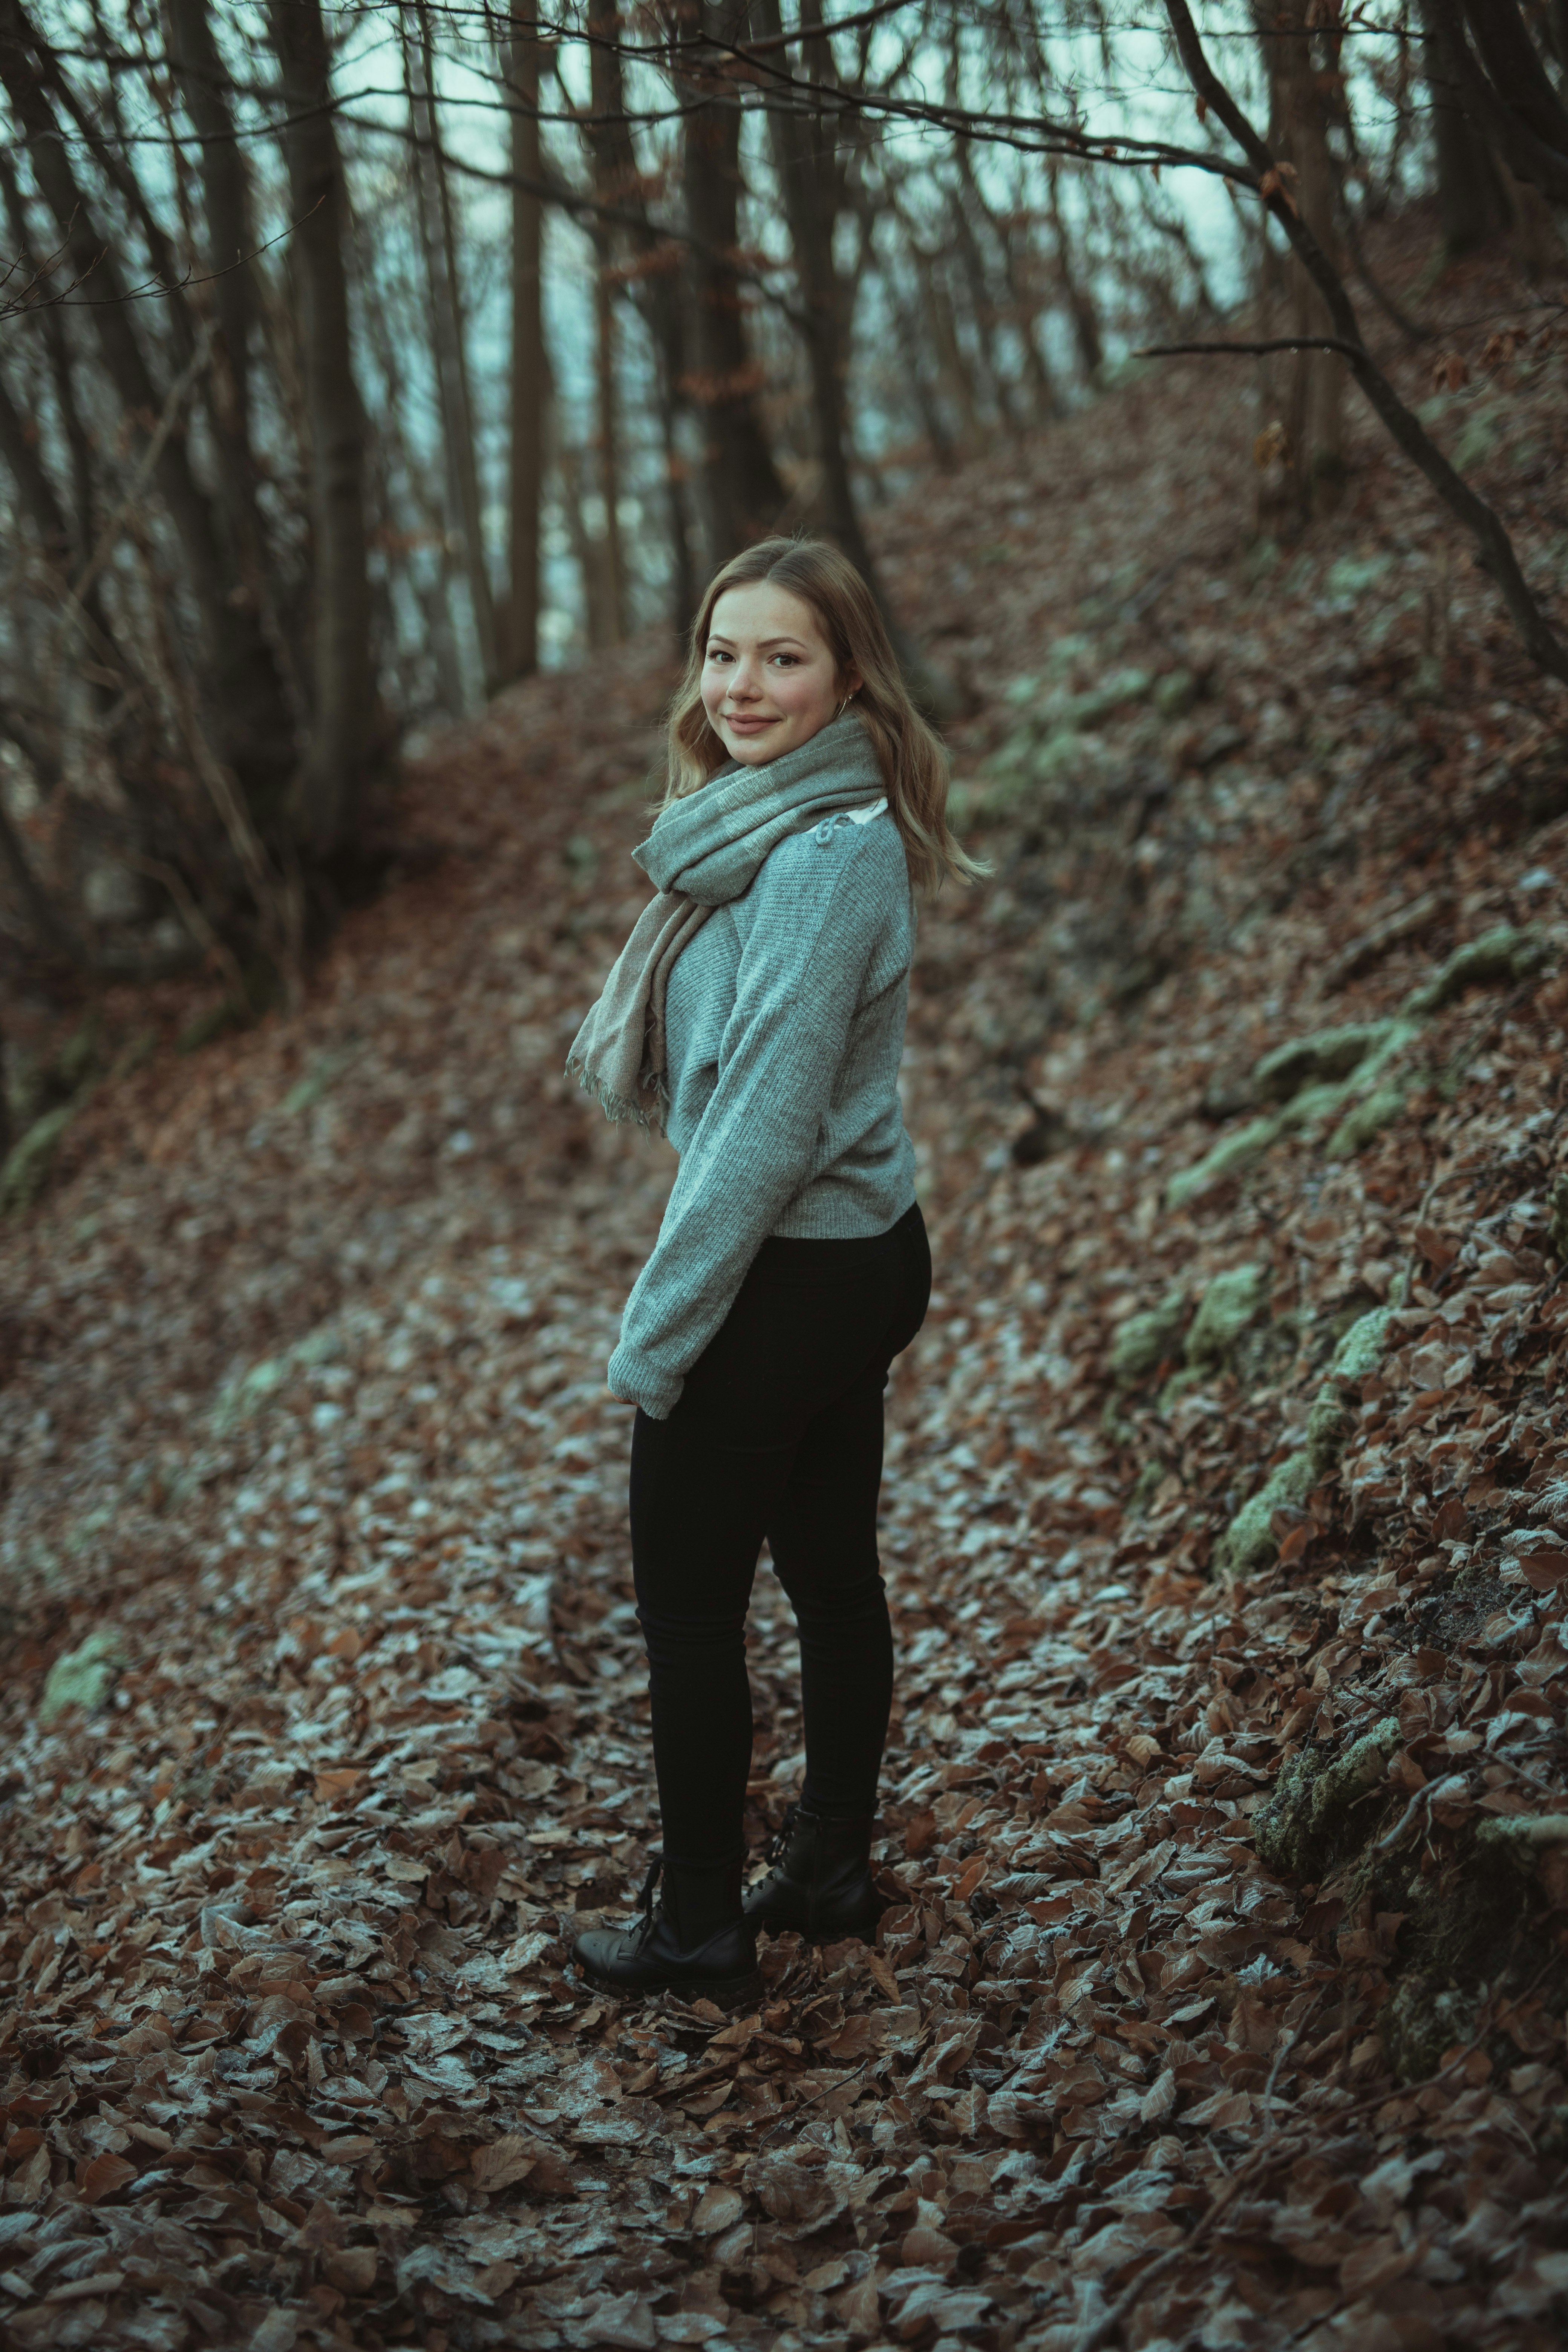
785 1029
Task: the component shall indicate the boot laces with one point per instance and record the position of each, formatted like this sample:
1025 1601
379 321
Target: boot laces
644 1900
781 1837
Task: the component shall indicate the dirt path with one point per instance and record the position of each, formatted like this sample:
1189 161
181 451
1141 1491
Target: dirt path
1220 1997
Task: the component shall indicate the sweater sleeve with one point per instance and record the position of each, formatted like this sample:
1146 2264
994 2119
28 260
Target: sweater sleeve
796 991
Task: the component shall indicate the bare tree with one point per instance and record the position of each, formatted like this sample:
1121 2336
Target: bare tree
1471 201
744 493
448 339
527 385
328 787
247 706
1309 478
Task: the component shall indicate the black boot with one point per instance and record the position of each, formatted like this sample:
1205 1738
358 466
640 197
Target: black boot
820 1883
695 1943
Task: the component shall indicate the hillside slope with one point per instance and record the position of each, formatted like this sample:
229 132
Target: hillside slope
1221 1999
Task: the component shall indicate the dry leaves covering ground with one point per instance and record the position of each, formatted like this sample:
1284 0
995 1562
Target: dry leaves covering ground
1220 2000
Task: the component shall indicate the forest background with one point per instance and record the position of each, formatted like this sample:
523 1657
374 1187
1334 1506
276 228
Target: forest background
357 365
375 390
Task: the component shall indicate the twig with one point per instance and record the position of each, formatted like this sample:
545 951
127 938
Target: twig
196 922
1494 549
1268 2153
109 536
1253 350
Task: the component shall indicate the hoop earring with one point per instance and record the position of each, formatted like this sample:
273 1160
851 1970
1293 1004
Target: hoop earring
843 706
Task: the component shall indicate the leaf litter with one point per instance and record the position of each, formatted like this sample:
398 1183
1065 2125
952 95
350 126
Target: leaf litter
1220 1996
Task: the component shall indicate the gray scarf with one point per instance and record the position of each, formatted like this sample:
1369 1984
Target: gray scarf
703 851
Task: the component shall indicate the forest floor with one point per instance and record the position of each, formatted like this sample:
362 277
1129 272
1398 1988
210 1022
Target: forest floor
1221 1996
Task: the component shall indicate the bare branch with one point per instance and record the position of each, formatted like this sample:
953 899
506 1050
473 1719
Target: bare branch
1253 350
1493 545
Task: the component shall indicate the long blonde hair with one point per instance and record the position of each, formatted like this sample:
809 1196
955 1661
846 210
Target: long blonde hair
911 758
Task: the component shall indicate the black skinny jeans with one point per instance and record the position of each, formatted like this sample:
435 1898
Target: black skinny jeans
778 1432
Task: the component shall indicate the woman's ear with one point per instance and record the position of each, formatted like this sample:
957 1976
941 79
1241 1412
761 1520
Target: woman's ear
851 684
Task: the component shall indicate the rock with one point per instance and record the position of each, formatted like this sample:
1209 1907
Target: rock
1367 1118
1232 1156
1250 1542
1329 1426
83 1677
1364 1345
1144 1341
1523 1838
1227 1306
1312 1109
1326 1054
1424 2020
1503 954
1313 1816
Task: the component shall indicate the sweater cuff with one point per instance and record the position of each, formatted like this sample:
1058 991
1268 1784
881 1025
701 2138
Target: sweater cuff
631 1375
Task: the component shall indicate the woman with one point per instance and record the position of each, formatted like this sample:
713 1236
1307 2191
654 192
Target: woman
757 1015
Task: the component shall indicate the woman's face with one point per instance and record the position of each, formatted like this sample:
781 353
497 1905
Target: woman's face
769 679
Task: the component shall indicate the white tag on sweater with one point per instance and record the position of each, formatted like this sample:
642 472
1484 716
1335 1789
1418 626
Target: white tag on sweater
864 816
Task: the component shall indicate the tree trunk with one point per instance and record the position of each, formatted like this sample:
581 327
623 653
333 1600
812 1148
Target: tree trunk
941 334
202 86
437 230
247 713
983 310
744 495
231 242
1079 301
615 173
610 557
653 277
1471 204
1313 475
811 184
808 175
52 323
328 787
433 595
529 385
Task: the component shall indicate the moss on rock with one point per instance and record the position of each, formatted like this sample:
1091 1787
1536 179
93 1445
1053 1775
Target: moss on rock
1145 1340
1363 1345
1500 955
1250 1542
1309 1061
1329 1426
83 1677
1231 1156
1523 1838
1366 1119
1320 1810
1425 2017
1228 1304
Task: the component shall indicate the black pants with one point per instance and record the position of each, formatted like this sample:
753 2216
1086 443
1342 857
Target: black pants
778 1432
